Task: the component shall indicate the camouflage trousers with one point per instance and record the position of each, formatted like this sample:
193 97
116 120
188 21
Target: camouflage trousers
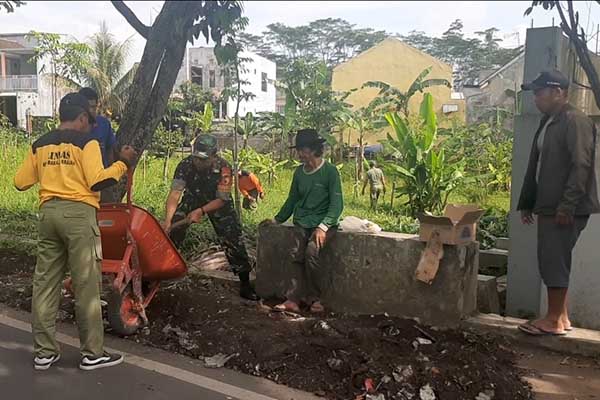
227 228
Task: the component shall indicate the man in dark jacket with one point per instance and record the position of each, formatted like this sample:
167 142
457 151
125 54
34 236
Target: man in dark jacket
560 189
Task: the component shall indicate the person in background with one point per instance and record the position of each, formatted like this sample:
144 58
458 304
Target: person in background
376 181
316 202
101 130
203 183
560 189
67 165
251 189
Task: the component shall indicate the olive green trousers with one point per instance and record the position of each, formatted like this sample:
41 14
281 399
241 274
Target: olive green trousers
68 240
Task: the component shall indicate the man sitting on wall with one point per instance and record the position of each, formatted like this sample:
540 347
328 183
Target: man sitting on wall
316 202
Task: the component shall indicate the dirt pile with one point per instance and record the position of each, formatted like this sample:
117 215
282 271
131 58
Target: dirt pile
335 356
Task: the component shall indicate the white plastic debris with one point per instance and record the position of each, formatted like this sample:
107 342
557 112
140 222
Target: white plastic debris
187 344
355 224
424 341
335 363
379 396
404 393
487 395
168 329
403 373
324 325
386 379
427 393
218 360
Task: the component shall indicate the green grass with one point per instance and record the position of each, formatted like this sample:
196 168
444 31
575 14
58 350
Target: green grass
18 209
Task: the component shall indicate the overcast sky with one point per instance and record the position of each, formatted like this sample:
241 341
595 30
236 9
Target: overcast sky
82 18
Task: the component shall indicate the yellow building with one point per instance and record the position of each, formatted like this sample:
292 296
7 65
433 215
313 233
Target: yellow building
397 64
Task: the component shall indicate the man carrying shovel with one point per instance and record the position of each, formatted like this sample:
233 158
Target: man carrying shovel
203 183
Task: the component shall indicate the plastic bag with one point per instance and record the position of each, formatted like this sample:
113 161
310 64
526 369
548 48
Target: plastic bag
355 224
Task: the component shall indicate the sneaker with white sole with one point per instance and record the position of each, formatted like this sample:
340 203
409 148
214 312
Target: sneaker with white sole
43 363
106 360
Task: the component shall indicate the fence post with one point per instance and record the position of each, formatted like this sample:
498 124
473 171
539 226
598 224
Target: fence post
393 190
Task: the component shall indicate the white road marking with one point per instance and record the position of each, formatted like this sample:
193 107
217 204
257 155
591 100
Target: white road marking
164 369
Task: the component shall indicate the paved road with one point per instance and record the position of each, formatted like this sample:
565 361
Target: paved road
147 374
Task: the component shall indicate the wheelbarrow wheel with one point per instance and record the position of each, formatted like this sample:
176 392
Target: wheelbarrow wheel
122 314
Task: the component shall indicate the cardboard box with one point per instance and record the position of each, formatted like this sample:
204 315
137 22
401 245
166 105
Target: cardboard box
458 225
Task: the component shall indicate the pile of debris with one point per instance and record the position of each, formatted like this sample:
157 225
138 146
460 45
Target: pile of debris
374 357
335 356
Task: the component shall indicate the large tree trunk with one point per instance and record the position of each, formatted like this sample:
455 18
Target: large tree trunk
155 78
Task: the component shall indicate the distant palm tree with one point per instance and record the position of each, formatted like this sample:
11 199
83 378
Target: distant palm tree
106 73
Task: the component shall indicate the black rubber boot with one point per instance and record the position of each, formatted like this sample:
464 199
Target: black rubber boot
246 290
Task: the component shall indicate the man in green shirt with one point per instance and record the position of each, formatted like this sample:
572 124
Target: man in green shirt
316 202
376 181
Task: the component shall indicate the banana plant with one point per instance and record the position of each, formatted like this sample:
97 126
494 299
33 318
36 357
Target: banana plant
279 125
428 178
247 128
202 121
261 164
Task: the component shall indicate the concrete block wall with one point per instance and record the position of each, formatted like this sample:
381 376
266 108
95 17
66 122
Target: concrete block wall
374 273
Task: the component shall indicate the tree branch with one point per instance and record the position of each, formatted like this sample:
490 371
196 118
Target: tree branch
565 24
574 22
582 52
131 18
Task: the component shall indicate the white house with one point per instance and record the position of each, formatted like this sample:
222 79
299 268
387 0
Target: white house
200 66
26 87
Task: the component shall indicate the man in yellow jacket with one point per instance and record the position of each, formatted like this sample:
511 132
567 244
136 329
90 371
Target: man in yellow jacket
67 165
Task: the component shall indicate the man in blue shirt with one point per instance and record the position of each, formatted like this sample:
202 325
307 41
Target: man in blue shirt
102 130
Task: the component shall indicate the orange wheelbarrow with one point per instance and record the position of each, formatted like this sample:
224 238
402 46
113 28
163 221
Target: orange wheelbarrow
137 256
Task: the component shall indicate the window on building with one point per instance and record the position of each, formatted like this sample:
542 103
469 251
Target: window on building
449 108
211 78
197 75
263 82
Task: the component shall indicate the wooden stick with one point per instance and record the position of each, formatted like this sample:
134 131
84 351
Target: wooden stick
178 224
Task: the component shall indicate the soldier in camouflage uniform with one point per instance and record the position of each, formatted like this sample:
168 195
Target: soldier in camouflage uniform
205 180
